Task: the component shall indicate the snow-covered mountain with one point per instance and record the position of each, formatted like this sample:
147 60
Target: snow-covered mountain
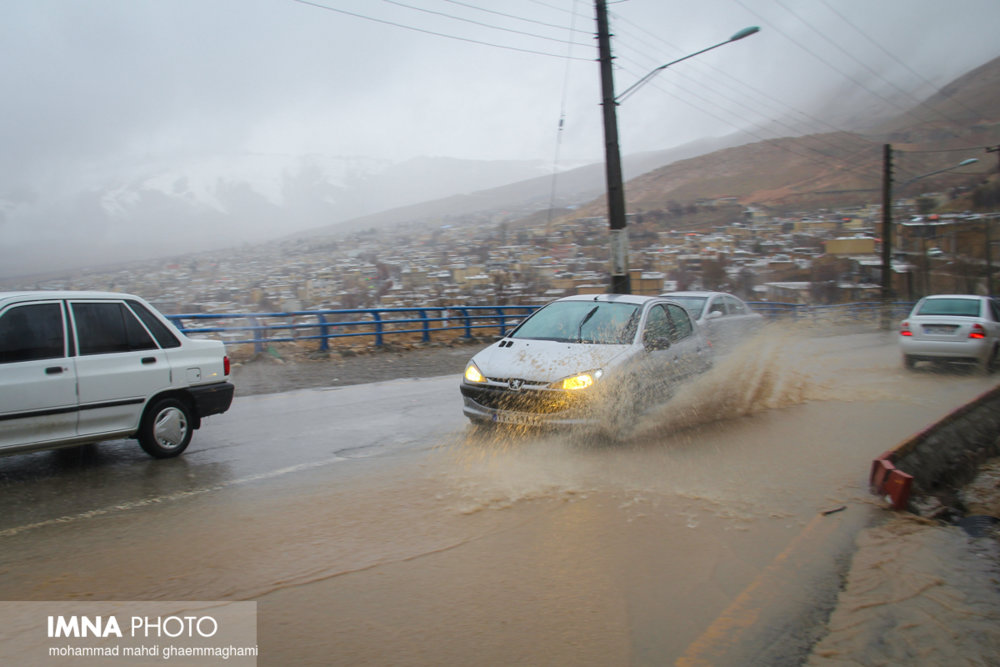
145 209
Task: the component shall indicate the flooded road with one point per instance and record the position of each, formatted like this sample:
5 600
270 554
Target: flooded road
372 526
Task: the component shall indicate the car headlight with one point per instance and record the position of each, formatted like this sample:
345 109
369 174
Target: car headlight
578 381
472 374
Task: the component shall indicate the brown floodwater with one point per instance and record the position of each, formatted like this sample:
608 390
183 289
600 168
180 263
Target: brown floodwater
512 547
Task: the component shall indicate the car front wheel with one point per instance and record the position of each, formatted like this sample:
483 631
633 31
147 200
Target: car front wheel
166 428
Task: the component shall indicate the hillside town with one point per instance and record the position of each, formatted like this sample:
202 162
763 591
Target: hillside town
827 256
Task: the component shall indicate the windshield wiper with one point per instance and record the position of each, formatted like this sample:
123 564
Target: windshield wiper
579 331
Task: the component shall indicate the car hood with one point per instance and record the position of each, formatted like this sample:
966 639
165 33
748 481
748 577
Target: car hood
546 360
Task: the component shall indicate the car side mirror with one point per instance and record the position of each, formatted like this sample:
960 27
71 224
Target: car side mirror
715 314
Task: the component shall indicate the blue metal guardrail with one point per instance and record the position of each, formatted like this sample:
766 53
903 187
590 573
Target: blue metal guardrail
323 325
261 329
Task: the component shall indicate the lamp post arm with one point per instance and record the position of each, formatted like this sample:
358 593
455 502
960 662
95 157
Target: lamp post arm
746 32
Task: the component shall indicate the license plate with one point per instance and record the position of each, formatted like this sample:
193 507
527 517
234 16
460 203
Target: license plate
946 329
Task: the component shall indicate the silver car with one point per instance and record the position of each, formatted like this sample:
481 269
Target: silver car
594 360
724 318
962 328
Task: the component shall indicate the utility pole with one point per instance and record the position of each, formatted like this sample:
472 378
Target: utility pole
886 233
620 281
995 149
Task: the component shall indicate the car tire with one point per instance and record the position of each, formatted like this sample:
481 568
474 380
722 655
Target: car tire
166 428
993 361
909 362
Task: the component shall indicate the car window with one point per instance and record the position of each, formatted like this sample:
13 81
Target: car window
958 307
600 322
995 307
680 323
657 325
735 306
32 331
103 328
694 304
163 335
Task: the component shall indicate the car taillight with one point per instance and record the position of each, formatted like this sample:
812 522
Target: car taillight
904 329
225 365
977 331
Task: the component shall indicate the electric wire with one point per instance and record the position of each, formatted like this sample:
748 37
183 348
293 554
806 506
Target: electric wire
830 65
474 22
758 96
917 102
572 30
895 58
562 123
425 31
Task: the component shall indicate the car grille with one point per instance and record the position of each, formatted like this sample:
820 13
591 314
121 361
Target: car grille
534 401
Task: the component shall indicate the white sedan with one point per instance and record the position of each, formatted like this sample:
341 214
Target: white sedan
723 317
962 328
594 360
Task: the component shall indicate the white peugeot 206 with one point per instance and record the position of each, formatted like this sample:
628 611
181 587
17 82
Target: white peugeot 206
586 360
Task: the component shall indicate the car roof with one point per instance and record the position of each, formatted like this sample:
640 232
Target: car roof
31 295
691 293
636 299
956 296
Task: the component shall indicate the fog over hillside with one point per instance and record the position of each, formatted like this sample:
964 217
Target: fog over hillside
142 130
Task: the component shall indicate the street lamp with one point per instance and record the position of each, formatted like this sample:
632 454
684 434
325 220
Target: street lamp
746 32
620 282
963 163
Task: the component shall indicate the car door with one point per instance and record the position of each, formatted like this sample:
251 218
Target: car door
672 351
715 318
689 346
118 368
38 401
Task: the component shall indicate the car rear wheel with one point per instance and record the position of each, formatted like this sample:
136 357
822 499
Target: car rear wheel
909 362
993 361
166 428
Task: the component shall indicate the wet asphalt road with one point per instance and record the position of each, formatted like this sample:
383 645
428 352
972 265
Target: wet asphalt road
375 524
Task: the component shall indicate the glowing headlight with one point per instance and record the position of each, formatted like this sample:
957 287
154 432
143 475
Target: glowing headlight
472 374
581 381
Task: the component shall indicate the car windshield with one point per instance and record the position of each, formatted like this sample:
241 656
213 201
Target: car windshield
957 307
692 304
599 322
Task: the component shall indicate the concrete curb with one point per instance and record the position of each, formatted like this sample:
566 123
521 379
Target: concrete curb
943 456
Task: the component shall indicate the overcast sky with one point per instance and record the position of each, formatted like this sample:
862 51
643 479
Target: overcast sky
90 83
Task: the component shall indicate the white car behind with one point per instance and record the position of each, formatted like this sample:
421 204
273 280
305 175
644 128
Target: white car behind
960 328
724 318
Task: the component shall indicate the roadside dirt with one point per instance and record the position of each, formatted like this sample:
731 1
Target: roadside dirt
268 373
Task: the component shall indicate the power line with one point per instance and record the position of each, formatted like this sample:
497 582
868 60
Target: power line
432 32
478 23
863 64
847 76
899 61
572 29
758 94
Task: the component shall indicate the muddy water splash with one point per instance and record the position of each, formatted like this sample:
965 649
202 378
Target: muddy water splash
759 375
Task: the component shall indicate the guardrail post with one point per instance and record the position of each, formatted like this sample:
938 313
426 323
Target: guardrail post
378 327
468 321
324 332
425 325
258 342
